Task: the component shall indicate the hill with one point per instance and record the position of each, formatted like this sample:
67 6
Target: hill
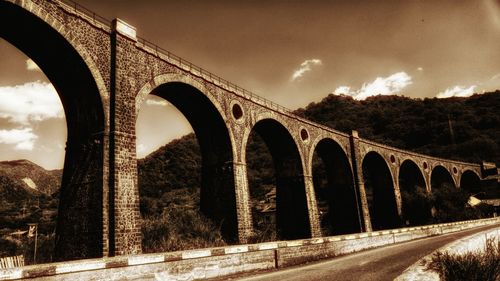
466 129
27 195
31 176
420 125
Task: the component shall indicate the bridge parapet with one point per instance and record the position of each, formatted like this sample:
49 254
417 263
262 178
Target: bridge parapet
86 14
416 154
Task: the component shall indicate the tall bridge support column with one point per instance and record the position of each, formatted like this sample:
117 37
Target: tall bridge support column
359 181
80 230
124 216
217 198
243 208
312 207
292 219
399 200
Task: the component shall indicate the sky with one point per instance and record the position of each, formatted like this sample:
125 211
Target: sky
291 52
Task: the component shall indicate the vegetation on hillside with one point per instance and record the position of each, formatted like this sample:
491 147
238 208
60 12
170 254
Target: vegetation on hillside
466 129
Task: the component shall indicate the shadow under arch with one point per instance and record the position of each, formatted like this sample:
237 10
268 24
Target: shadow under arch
440 178
80 222
292 220
338 204
217 194
415 198
380 192
470 182
449 201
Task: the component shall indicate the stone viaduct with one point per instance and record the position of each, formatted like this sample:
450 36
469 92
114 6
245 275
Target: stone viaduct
103 73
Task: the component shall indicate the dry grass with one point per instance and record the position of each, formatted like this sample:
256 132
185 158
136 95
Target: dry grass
479 265
179 229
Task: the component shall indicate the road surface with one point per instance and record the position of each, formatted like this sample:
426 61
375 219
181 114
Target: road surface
384 263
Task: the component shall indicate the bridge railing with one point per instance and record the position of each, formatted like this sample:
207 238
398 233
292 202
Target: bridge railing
196 70
399 150
209 76
90 15
219 81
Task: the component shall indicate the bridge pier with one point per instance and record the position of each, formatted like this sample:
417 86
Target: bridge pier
124 216
312 207
218 198
292 219
243 206
359 181
80 233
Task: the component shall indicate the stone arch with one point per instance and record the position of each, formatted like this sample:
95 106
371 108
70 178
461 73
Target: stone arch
268 115
314 144
380 193
388 164
416 207
292 220
470 182
440 176
81 224
217 194
449 200
336 195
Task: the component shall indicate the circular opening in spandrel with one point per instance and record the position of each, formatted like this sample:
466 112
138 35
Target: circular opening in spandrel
304 135
237 111
393 159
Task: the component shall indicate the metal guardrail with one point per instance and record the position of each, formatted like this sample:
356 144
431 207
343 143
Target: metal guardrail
191 67
182 63
77 8
429 157
11 262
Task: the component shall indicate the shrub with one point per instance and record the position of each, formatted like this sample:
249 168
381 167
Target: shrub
179 229
479 265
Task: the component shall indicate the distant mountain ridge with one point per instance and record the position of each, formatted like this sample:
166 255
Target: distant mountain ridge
31 177
466 129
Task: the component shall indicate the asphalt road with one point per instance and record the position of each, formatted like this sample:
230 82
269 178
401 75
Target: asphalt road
384 263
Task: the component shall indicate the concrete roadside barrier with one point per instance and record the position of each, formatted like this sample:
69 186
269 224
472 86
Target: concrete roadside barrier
229 260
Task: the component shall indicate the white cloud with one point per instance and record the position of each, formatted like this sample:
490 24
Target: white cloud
380 86
495 77
420 68
457 91
142 150
304 67
493 7
31 65
34 101
157 102
23 139
342 90
141 147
